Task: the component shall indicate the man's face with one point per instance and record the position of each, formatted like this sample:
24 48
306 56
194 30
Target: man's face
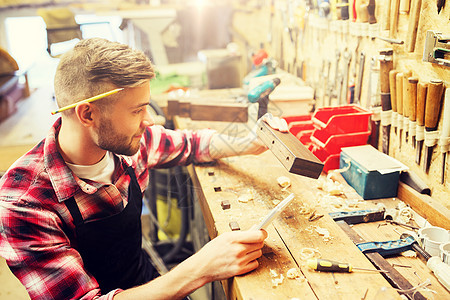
120 130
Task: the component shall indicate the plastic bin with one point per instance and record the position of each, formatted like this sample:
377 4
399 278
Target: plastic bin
297 124
341 119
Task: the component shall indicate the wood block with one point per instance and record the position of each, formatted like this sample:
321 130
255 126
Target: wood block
294 156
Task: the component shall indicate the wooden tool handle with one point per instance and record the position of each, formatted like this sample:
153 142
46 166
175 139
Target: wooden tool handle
412 97
399 94
412 26
392 87
371 11
421 98
386 20
404 6
386 65
395 6
363 14
406 94
433 103
446 115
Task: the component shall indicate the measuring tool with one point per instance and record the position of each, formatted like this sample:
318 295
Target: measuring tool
326 265
275 212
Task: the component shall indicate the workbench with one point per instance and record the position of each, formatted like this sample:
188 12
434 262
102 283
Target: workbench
291 235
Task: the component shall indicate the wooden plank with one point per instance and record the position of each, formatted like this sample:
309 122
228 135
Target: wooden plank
208 110
424 205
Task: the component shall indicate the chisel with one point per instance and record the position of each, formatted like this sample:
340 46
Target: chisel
444 141
406 104
420 118
399 96
386 65
392 85
432 107
412 98
413 25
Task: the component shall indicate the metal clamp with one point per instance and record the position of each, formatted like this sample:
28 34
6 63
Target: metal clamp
437 47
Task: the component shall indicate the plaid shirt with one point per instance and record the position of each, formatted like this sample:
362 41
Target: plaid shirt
36 229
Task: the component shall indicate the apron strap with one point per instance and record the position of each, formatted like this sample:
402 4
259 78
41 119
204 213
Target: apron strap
72 206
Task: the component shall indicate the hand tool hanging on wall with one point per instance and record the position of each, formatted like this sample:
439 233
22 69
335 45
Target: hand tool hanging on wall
373 103
334 90
420 118
444 141
413 25
387 14
412 102
347 61
395 7
386 65
440 4
406 104
432 109
437 48
371 11
362 60
392 88
399 97
404 6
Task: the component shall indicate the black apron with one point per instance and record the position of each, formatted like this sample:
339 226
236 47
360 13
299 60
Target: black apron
111 248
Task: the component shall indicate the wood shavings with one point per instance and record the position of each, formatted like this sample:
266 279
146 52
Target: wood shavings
405 215
323 232
309 253
305 210
293 273
276 202
276 279
284 182
244 198
409 253
329 186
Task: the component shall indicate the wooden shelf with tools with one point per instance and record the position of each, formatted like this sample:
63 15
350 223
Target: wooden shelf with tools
292 237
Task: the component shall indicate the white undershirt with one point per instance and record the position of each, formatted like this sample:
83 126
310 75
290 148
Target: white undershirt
99 172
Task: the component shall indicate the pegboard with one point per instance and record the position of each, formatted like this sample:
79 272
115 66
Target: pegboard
305 41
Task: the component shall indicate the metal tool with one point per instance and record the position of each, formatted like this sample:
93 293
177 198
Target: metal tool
347 60
412 99
420 118
399 97
358 216
373 102
444 141
389 40
392 88
432 110
325 265
386 65
358 85
437 47
274 212
388 248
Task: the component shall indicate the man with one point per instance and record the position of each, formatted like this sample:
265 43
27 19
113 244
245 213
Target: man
70 208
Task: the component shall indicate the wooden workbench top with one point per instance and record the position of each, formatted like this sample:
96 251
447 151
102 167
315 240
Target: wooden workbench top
291 236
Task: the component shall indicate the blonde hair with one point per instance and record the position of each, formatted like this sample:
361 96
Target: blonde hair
96 66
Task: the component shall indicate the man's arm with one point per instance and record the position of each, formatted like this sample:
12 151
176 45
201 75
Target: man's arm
225 146
229 254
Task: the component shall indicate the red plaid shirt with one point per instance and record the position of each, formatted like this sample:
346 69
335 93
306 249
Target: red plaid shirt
36 227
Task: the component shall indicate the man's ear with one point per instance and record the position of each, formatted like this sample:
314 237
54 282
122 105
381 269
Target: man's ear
85 114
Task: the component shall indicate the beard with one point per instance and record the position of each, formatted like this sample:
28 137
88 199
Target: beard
110 140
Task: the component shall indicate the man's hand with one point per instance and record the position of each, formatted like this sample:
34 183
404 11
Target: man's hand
256 146
230 254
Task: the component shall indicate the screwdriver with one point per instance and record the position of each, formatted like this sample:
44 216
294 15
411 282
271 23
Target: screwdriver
326 265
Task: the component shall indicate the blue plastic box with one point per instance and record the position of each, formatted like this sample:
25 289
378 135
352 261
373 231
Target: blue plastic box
370 172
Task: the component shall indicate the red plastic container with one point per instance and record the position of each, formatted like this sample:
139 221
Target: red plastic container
322 145
301 126
341 119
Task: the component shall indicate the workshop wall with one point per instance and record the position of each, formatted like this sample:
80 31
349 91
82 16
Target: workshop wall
305 43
